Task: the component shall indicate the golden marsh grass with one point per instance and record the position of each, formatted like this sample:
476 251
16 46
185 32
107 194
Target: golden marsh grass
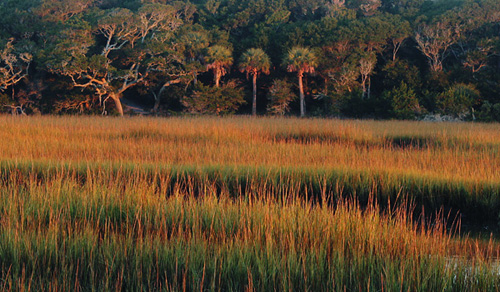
234 204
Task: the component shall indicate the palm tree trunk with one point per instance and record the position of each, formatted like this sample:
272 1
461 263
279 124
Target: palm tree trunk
217 79
302 99
254 104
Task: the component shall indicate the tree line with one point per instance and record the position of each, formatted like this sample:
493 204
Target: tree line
352 58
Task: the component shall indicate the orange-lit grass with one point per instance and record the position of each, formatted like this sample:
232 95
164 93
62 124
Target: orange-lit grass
228 204
123 233
451 164
449 151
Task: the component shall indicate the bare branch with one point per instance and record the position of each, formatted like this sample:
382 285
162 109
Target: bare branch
13 68
434 42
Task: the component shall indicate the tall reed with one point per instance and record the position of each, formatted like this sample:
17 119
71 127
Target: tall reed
123 233
91 204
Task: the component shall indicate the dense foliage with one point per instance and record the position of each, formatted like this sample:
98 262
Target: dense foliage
359 58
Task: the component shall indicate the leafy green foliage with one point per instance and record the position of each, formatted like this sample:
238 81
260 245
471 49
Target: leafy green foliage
358 45
458 99
489 112
395 72
214 100
404 102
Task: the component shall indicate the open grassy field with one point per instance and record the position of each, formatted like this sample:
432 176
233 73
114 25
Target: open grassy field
222 204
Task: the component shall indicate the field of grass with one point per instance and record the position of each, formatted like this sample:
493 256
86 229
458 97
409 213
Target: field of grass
210 204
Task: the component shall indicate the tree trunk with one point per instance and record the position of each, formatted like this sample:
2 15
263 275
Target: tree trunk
254 104
160 93
363 85
116 98
156 107
436 64
369 89
396 46
217 79
195 78
302 99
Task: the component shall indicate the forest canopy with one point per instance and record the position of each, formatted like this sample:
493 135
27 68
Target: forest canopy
402 59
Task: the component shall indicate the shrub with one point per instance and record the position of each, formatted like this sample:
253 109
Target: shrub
457 99
352 104
4 99
489 112
496 112
280 95
215 100
404 102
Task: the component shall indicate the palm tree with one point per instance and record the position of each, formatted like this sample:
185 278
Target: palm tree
219 59
255 61
301 60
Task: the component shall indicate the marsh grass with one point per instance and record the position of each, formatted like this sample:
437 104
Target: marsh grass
450 151
184 204
126 234
477 202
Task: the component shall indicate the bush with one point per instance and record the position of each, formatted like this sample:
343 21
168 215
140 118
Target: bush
458 99
280 95
489 112
404 102
352 104
215 100
496 112
4 99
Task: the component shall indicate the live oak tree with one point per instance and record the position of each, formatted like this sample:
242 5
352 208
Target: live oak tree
399 31
337 63
370 7
85 50
13 66
61 10
195 42
17 27
124 58
366 67
434 42
169 70
160 35
475 46
253 62
371 36
302 61
180 59
406 8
